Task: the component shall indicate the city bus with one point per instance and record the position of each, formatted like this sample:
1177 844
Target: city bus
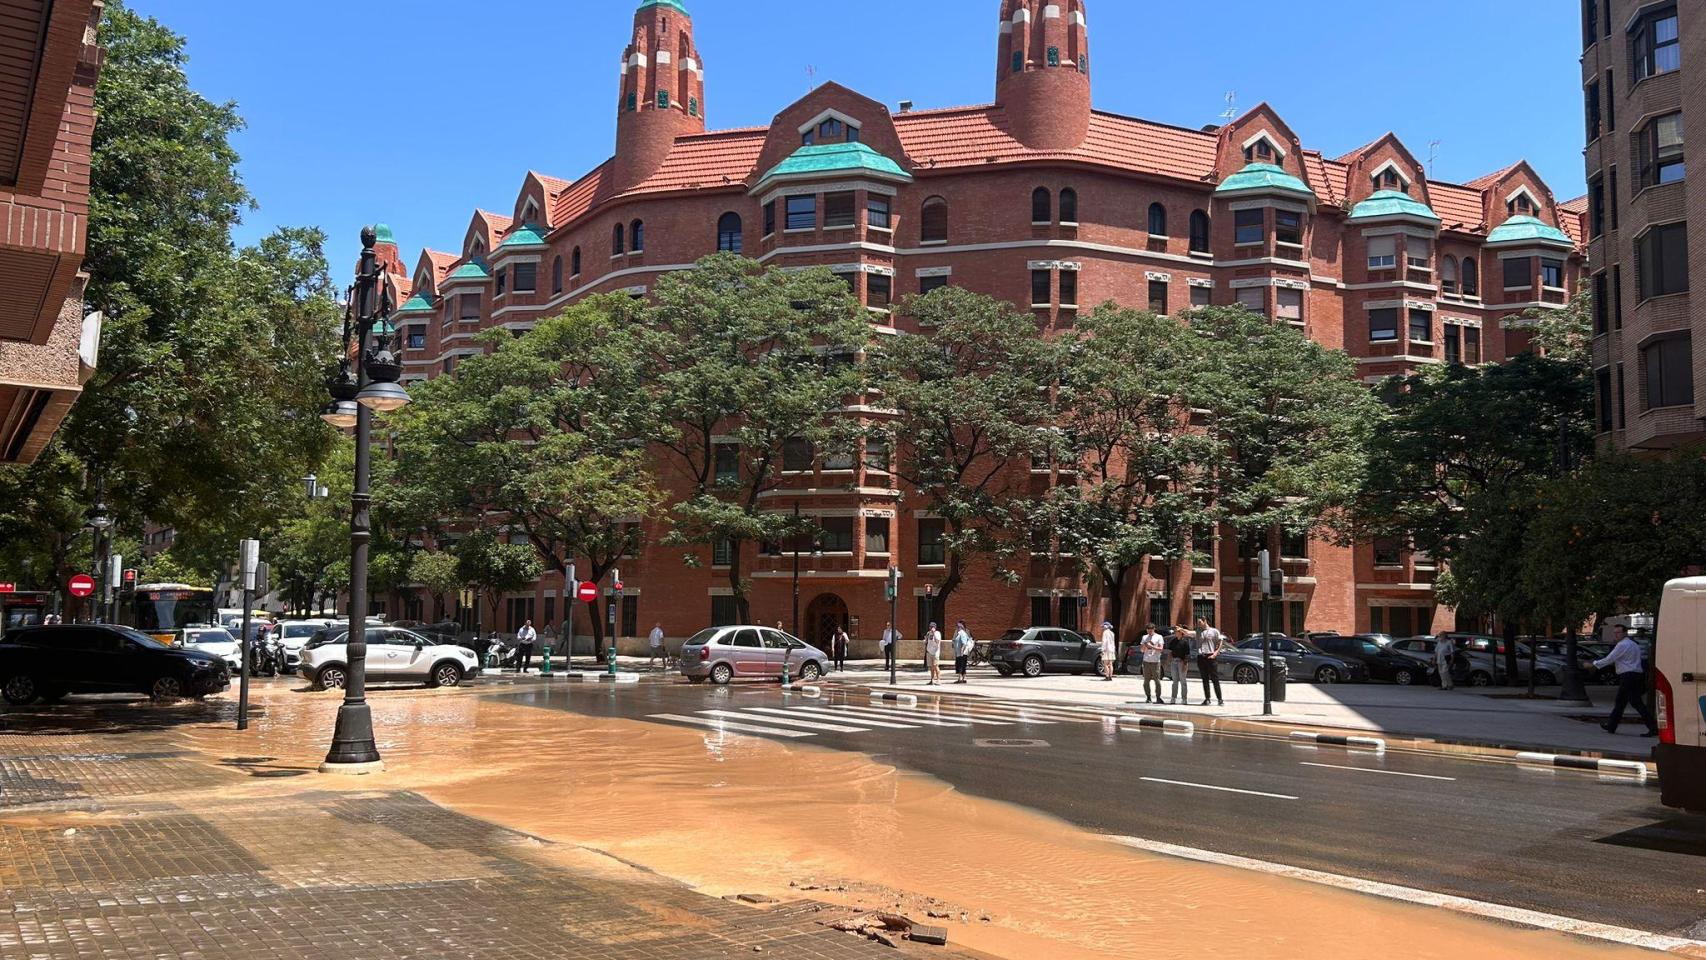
163 610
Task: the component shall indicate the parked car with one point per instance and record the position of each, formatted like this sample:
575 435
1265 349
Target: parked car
1475 661
48 662
217 641
293 635
1242 666
1304 661
1035 651
1381 663
722 654
393 655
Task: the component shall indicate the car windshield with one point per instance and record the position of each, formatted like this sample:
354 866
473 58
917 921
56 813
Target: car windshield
1013 635
142 639
702 637
212 636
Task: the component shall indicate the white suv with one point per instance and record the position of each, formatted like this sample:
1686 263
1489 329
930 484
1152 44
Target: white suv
393 655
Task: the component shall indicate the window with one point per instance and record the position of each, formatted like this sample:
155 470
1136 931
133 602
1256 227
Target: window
837 210
724 612
729 233
727 463
1593 114
1288 306
802 213
1382 253
1202 610
693 106
1158 296
1622 409
1054 56
1069 206
1261 151
1596 208
575 262
1471 278
1042 612
1668 367
1084 63
1247 227
933 221
1448 275
1158 220
770 218
617 245
851 278
557 275
1601 305
1390 180
501 277
449 365
1288 227
1294 546
837 536
1520 205
932 549
1617 296
1611 195
1388 552
1602 396
1421 326
1453 343
797 455
1383 325
1610 103
1590 21
637 237
877 209
879 289
1418 253
1254 299
1472 345
1042 288
630 615
469 304
1519 273
1041 206
722 552
1018 61
876 535
1654 38
1552 273
663 99
1199 231
929 284
1069 288
1662 256
877 456
1658 151
633 102
417 337
526 277
1202 296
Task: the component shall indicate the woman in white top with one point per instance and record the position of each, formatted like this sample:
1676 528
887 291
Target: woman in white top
1110 650
933 654
963 644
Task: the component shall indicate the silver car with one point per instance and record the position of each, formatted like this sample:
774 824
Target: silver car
1475 662
722 654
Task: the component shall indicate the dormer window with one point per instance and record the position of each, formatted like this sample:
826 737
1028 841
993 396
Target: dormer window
1390 180
1259 152
1521 205
831 129
529 214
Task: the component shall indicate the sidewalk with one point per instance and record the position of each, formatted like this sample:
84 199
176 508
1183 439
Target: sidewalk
1495 717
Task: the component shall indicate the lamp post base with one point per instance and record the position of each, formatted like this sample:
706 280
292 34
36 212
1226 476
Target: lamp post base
353 769
353 749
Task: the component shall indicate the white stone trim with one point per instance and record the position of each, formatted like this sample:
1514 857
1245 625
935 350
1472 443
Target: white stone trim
637 60
1159 277
1072 266
841 186
827 114
1262 203
1022 15
1279 151
1384 602
923 272
1524 191
1461 321
1247 283
1398 358
1393 166
1403 229
1078 19
1051 12
663 57
1199 282
1398 305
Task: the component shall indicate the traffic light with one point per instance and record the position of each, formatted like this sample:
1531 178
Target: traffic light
893 589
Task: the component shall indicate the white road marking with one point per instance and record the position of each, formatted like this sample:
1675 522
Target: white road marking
860 714
832 715
1390 773
726 725
1491 911
1210 786
807 724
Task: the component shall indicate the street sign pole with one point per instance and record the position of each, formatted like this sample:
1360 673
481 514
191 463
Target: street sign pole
1262 563
250 557
114 565
615 597
571 587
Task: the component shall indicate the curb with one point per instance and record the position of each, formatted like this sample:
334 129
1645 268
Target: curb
1637 770
1177 728
600 677
1368 743
810 692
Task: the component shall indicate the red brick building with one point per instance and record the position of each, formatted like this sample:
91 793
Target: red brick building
1038 199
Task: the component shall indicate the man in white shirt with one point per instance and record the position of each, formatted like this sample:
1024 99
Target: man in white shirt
1443 650
659 652
1152 646
891 639
1631 681
524 646
1208 655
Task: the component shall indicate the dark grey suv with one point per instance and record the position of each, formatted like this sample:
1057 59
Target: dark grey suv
1041 650
51 661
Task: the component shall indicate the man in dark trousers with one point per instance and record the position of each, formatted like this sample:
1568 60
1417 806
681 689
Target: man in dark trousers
1208 654
1631 682
524 646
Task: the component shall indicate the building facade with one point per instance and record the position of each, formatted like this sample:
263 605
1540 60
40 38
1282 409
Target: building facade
47 120
1642 83
1038 199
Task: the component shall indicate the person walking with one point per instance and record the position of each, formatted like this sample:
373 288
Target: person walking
838 643
962 651
1631 682
933 654
1110 649
1208 655
891 639
660 653
1443 650
524 639
1151 647
1179 664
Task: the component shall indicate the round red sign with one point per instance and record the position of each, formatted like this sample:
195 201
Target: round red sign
587 591
82 585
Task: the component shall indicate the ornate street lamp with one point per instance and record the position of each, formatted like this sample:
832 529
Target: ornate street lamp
371 386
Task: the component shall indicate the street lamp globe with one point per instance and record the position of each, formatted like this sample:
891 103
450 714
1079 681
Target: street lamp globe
383 397
98 517
339 413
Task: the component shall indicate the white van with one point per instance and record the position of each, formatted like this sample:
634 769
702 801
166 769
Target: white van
1681 694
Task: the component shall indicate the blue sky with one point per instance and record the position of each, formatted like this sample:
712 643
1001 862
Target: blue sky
416 113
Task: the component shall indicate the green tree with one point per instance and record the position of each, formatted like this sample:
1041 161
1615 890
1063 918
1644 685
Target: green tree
440 573
493 568
1565 335
966 410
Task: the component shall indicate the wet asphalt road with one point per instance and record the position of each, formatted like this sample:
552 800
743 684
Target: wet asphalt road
1575 844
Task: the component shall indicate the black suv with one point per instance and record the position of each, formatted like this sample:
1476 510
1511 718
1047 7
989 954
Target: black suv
1382 664
49 662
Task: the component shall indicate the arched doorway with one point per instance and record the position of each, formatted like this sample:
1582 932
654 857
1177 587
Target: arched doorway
824 616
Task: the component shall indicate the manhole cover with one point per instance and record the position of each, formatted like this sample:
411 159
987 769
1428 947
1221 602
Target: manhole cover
1011 743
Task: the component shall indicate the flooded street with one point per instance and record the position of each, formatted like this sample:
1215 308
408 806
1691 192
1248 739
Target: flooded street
733 814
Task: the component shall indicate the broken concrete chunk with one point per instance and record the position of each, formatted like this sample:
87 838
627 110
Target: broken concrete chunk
937 936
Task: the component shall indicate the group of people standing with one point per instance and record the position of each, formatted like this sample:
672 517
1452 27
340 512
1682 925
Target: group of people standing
1172 656
962 646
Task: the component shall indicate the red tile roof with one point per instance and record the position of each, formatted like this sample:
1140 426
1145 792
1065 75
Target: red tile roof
707 160
1482 183
442 264
1459 207
574 202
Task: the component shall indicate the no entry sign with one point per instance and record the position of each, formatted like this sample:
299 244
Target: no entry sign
82 585
587 591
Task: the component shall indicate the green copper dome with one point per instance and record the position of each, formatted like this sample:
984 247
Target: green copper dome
1392 203
1528 230
836 158
525 235
672 4
416 304
1264 178
382 234
472 270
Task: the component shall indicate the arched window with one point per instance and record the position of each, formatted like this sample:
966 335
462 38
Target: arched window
1042 206
729 233
933 221
637 236
617 248
1199 231
575 262
557 275
1069 205
1157 220
1448 274
1471 278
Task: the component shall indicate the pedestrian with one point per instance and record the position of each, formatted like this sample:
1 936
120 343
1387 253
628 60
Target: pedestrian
1631 681
524 646
933 653
891 639
962 651
838 647
1208 655
659 651
1152 647
1179 664
1110 650
1443 650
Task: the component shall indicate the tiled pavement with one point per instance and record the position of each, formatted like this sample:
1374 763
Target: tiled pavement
135 855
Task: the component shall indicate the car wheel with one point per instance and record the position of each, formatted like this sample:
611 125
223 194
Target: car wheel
166 689
1480 678
721 674
445 675
811 671
1544 678
1246 673
19 689
1033 666
329 678
1403 677
1004 670
1327 675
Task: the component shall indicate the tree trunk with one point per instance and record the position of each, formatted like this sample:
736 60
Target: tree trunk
597 617
743 604
1116 606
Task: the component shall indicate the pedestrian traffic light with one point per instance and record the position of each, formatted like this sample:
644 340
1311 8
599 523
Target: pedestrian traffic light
893 590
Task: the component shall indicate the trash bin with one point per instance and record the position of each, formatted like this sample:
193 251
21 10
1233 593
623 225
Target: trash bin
1277 676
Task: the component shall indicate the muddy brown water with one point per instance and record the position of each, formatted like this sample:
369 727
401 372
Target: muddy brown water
732 814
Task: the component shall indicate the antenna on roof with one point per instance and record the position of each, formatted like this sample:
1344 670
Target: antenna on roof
811 77
1433 154
1231 112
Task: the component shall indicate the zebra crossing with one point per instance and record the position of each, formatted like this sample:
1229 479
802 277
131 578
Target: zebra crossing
816 717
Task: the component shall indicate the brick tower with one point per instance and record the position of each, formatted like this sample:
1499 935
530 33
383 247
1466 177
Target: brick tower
663 91
1042 78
